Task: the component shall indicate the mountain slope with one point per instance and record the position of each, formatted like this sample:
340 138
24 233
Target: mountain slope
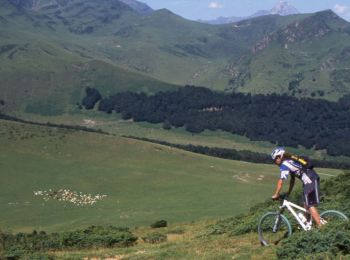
305 58
45 46
45 66
140 7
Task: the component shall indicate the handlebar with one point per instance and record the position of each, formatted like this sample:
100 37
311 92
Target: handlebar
282 197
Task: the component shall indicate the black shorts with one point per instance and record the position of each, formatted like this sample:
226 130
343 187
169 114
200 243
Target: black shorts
311 192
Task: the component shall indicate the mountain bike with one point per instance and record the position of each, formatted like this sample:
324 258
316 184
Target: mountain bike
274 226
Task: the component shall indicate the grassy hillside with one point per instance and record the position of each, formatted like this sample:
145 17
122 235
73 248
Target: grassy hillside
44 78
45 67
143 182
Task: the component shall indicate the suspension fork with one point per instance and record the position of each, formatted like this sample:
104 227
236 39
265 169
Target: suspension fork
276 225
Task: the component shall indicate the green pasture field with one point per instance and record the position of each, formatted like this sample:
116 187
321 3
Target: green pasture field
143 182
115 125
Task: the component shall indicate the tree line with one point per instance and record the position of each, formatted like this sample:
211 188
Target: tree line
280 119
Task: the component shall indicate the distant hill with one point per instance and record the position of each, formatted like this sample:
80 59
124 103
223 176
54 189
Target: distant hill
309 57
48 47
281 8
140 7
45 65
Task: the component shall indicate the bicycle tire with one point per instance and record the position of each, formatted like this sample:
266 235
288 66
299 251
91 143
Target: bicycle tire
265 229
333 215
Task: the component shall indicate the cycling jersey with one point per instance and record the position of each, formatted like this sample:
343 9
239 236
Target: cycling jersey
291 167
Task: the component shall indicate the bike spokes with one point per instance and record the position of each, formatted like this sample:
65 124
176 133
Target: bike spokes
273 227
332 216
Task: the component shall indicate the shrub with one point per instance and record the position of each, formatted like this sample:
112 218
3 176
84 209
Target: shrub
92 97
331 240
159 224
177 231
155 238
21 244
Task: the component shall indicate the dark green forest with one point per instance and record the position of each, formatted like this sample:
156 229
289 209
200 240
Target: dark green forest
280 119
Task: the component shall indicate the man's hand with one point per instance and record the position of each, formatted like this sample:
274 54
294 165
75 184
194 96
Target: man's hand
278 190
275 197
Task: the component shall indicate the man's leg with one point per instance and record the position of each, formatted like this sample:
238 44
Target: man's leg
312 199
315 215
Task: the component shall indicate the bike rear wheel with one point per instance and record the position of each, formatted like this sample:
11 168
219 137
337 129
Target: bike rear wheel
272 228
330 216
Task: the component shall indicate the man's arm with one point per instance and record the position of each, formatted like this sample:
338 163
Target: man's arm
291 184
278 189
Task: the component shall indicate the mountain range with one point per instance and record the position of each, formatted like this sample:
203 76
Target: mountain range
140 7
52 50
281 8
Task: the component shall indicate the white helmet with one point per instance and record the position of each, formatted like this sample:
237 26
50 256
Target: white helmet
279 151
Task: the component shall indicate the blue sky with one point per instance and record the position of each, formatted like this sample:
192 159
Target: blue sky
211 9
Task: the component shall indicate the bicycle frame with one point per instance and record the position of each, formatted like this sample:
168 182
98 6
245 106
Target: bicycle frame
289 205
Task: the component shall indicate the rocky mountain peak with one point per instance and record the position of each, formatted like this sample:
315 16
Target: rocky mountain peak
138 6
283 8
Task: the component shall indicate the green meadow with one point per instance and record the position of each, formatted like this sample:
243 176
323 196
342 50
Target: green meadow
112 123
143 182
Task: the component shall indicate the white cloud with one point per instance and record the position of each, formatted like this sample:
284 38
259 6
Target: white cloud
341 9
215 5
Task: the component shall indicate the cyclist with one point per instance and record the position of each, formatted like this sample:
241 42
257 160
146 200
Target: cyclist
295 167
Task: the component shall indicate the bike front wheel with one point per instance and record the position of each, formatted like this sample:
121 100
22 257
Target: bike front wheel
272 228
330 216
